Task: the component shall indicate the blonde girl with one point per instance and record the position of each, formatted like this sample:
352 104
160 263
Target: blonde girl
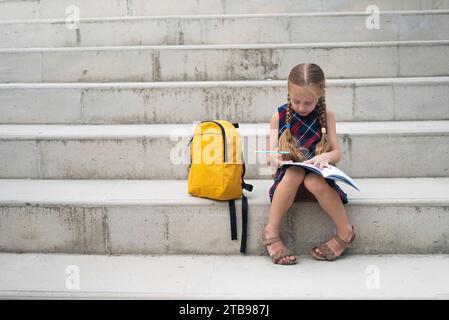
306 128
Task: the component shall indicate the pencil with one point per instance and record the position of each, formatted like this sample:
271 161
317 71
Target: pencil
269 151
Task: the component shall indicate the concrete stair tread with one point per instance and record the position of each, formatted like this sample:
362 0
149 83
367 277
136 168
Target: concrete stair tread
223 277
387 191
212 83
223 29
222 62
127 151
356 99
228 15
392 216
123 131
345 44
50 9
225 16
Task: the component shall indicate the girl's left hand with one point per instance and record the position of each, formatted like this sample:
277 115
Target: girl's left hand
321 160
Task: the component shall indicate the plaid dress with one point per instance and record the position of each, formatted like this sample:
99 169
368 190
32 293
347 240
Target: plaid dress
307 132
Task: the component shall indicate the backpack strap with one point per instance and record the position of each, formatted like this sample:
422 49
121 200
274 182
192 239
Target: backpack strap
244 223
233 218
248 187
232 212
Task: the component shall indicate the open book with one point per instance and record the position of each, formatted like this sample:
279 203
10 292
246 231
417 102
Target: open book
329 173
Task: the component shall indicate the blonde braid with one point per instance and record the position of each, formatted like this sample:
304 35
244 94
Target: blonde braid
287 142
323 145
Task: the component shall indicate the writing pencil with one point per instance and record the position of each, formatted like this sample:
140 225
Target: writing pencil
269 151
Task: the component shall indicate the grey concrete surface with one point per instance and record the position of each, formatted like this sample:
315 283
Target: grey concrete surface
159 217
39 276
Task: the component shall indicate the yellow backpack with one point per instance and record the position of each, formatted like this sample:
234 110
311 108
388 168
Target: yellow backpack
217 169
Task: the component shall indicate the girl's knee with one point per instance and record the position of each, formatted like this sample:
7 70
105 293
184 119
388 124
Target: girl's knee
294 174
315 184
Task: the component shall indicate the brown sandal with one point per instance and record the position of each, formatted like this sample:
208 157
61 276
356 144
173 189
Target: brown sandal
278 255
329 255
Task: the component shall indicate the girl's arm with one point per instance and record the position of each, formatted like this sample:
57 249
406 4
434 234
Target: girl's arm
273 159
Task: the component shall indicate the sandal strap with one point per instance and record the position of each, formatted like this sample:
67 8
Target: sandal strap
345 244
342 242
267 242
328 253
281 254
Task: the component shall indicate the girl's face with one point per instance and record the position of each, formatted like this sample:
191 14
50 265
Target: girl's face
303 99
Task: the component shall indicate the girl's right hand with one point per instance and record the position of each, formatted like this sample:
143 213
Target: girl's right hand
276 158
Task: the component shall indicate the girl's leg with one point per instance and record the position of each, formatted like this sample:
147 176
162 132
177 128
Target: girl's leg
283 198
330 202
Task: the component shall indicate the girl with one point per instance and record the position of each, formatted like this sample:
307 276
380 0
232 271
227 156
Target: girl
306 129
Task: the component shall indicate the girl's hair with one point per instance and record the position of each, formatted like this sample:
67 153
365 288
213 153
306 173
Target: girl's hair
305 74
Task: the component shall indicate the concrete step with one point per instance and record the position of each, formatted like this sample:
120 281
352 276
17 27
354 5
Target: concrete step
33 9
226 29
368 149
394 216
382 99
53 276
223 62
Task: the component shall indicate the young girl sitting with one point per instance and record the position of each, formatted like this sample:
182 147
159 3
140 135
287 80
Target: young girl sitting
306 129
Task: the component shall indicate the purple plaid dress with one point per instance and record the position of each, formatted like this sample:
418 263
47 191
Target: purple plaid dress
307 132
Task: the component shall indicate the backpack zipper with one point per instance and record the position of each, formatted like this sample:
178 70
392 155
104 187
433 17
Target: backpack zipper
225 155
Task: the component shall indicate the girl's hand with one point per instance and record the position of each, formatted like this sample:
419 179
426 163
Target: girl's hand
275 159
321 160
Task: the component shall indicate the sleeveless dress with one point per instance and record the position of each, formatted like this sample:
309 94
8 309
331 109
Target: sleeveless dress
307 132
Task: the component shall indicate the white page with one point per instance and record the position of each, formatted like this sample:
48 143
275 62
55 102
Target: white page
332 170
